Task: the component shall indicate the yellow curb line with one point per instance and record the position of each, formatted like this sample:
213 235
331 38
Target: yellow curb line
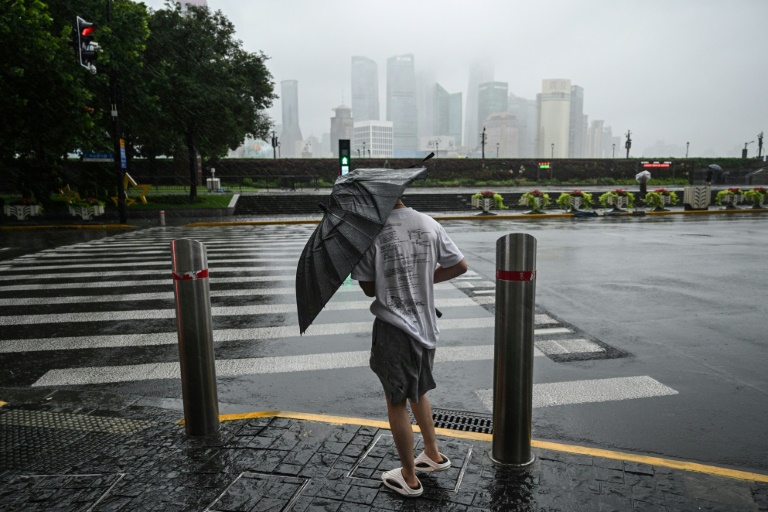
485 217
72 226
544 445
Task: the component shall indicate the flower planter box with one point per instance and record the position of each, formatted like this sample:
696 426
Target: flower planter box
86 212
486 203
618 202
21 212
731 200
697 197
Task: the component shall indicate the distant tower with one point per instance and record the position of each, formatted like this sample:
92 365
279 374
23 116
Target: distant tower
478 74
525 112
401 103
501 129
492 98
365 89
342 126
576 123
290 139
447 113
554 118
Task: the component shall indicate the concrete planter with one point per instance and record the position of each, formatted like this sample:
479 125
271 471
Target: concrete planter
86 212
21 212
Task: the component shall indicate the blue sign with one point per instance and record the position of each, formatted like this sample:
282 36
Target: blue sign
122 158
98 157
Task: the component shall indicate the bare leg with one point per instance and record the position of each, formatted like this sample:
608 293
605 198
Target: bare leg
402 432
422 411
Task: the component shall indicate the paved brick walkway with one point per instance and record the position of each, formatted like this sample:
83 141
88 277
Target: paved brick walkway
78 451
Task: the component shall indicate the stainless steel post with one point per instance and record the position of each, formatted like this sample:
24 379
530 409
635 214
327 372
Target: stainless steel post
513 349
162 217
193 321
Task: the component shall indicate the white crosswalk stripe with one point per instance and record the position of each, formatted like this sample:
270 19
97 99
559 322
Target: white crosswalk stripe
100 295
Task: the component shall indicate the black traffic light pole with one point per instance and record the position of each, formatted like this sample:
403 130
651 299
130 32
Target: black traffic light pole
121 207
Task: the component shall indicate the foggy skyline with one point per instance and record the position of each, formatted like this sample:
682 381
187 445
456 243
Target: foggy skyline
671 72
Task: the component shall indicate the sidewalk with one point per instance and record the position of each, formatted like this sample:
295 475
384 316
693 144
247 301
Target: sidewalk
73 450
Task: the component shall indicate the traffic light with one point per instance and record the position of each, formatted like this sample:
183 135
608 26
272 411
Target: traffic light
87 50
345 158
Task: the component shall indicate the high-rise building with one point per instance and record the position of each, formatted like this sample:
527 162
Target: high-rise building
502 136
596 139
447 113
492 98
425 103
524 111
365 89
342 126
554 108
479 73
291 141
373 139
401 104
576 123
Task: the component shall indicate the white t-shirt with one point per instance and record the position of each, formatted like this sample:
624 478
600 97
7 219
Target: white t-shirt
402 262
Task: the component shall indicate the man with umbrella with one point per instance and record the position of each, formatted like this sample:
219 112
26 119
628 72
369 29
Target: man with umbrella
411 253
642 178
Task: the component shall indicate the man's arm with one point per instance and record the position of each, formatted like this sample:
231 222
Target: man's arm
447 273
369 287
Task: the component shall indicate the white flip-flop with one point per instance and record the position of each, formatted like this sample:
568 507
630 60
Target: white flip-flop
394 480
425 464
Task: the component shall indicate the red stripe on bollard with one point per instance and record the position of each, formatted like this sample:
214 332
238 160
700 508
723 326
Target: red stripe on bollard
515 275
203 274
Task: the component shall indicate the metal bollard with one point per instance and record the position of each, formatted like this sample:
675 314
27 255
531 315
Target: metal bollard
162 217
193 320
513 350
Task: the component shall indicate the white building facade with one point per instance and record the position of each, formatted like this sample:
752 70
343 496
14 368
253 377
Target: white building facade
373 139
554 118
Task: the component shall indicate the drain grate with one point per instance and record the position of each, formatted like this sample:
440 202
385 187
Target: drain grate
461 420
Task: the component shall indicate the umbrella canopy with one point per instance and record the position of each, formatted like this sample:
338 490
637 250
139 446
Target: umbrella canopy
715 167
642 176
360 204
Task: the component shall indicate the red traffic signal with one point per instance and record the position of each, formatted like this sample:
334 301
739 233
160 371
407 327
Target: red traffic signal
87 49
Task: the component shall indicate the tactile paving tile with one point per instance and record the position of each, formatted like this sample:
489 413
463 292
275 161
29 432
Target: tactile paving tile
81 422
257 491
21 446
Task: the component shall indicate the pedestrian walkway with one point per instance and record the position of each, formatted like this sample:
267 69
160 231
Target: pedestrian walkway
64 450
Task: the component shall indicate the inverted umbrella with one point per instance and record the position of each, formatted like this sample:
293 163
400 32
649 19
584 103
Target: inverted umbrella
359 206
642 176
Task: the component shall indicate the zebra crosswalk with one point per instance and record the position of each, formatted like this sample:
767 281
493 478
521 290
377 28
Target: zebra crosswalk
101 312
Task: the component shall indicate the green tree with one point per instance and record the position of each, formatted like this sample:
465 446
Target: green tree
43 99
212 93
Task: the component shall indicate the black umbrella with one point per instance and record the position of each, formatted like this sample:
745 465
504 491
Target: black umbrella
360 204
715 167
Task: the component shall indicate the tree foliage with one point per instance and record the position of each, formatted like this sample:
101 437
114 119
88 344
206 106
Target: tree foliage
212 93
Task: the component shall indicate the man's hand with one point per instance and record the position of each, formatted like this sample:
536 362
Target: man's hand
446 273
369 287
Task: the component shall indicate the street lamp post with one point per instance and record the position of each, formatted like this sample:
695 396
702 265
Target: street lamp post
687 144
553 150
482 139
437 148
613 150
744 151
363 149
497 150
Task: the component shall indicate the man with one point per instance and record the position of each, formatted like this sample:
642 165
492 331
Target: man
411 253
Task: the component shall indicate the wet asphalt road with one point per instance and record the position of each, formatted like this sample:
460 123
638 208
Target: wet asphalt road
678 299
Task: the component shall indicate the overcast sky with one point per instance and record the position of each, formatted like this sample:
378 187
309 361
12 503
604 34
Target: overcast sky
668 70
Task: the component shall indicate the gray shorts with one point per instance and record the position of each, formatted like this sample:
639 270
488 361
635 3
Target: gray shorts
402 364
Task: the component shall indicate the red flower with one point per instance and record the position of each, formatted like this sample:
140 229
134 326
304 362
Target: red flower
760 189
577 193
536 192
620 192
487 193
662 191
734 190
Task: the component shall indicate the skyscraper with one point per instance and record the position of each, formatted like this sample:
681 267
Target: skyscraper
502 139
401 104
342 126
447 113
365 89
576 123
524 111
554 117
291 140
491 99
479 73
